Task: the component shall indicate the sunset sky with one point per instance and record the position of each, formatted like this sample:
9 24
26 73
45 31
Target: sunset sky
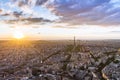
60 19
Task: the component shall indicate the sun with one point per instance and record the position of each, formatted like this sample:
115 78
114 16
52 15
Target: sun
18 35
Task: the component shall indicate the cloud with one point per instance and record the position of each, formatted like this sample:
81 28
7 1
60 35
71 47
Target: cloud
12 26
40 2
11 14
63 25
5 14
28 21
0 10
114 31
17 14
67 27
23 12
91 12
36 20
73 12
21 3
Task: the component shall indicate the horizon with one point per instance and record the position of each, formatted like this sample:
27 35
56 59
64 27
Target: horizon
13 39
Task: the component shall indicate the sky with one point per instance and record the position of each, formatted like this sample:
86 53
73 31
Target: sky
60 19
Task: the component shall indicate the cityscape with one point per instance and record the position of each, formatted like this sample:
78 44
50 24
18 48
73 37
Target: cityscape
59 40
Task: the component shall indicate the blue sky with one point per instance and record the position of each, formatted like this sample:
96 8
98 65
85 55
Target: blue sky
60 19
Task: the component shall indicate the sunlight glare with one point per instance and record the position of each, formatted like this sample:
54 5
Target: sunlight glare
18 35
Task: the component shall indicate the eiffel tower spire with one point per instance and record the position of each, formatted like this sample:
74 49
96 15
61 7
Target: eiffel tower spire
74 42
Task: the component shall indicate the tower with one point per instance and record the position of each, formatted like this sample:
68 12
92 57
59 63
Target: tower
74 42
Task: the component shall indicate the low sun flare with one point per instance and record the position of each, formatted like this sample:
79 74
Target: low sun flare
18 35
